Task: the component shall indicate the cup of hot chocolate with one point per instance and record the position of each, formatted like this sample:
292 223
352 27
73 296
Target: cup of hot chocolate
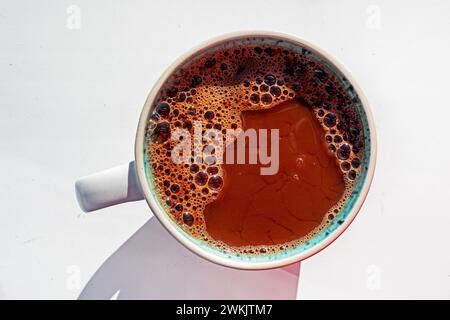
255 150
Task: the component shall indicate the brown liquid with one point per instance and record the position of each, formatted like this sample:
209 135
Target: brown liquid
257 85
253 209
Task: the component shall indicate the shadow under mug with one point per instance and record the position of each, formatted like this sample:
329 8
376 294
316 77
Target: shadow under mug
134 181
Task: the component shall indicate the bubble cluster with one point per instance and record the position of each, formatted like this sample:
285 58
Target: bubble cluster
215 87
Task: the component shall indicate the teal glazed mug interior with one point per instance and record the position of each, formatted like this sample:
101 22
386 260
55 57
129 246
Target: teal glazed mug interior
141 182
320 240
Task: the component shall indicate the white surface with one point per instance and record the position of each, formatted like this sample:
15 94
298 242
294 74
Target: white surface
70 101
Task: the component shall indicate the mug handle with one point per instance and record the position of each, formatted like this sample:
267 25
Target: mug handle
107 188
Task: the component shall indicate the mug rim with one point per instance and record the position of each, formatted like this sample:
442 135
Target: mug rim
165 219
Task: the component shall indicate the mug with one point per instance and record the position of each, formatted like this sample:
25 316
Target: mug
133 181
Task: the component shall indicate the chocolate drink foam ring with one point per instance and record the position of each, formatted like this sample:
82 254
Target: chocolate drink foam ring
245 90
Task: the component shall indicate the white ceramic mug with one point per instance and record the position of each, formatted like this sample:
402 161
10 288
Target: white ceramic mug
131 182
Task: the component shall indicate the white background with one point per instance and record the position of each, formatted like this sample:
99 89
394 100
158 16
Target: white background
70 100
